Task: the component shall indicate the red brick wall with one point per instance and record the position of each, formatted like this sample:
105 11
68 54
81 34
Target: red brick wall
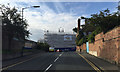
119 51
77 48
109 48
83 47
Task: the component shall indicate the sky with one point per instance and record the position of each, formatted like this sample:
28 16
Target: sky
53 15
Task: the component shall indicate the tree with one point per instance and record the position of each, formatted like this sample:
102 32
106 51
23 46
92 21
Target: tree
42 46
12 24
99 22
104 20
75 29
79 36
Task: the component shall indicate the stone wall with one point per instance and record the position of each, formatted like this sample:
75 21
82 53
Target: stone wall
83 47
107 45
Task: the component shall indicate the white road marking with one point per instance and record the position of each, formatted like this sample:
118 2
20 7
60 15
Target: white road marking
48 67
60 55
56 59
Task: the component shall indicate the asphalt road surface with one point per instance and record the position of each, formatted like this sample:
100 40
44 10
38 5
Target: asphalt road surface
54 61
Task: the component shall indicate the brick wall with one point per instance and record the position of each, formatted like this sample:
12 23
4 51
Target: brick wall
119 51
78 48
83 47
107 45
97 45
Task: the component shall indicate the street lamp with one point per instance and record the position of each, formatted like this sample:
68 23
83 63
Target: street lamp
26 8
119 5
36 6
22 20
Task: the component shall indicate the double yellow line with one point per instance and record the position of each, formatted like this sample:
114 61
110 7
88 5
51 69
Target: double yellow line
98 70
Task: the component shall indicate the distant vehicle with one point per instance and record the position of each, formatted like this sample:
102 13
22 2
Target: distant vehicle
58 50
51 49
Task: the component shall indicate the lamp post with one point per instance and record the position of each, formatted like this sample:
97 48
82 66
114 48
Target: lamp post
22 21
119 5
26 8
119 8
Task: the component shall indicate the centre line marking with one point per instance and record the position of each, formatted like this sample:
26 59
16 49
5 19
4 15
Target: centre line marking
56 59
48 67
61 54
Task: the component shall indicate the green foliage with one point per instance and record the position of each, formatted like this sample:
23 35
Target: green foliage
99 22
12 23
42 46
105 20
79 36
91 37
75 29
82 40
88 28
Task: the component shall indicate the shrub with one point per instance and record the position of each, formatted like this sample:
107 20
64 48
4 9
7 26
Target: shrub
42 46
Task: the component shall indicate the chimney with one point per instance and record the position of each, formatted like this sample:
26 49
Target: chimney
78 29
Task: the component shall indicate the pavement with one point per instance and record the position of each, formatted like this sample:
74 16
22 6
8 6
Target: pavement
59 62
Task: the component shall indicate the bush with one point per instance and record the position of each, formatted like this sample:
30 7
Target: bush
42 46
91 37
79 36
82 40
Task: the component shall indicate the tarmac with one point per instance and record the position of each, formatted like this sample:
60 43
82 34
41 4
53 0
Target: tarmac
100 63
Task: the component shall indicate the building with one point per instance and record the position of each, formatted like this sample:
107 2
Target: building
60 40
29 44
41 41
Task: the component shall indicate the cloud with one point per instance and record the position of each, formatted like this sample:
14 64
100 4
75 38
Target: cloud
66 0
48 19
36 34
45 18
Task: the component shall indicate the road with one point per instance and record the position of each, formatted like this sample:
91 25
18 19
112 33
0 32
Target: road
54 61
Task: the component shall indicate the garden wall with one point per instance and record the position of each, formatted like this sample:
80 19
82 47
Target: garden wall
107 45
